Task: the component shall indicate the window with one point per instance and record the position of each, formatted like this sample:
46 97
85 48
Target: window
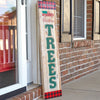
74 19
79 18
8 44
13 68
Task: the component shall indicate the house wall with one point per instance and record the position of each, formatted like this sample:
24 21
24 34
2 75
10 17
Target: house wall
89 19
84 57
80 60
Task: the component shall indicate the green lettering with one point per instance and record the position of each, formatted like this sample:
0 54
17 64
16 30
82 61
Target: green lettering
52 82
50 42
50 56
49 29
51 69
44 12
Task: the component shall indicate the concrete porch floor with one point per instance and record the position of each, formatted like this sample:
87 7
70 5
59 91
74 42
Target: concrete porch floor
85 88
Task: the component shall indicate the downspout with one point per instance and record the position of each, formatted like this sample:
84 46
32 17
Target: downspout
60 22
93 20
99 17
71 21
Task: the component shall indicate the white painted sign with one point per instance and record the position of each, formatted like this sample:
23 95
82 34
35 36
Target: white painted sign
50 66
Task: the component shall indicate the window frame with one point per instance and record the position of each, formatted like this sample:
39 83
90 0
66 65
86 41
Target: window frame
72 20
85 22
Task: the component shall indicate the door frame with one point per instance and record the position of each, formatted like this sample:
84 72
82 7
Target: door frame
22 62
33 61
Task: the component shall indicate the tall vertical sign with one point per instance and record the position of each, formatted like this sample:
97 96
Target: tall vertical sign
50 66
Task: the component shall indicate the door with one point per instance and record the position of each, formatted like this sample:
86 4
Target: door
13 74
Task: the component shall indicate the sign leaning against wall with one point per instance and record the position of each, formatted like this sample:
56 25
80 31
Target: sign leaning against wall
50 66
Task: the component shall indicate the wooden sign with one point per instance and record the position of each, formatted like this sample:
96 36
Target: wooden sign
51 80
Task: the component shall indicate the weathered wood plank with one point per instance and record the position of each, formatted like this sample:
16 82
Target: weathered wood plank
50 66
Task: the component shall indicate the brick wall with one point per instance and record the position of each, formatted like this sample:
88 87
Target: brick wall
84 57
33 94
80 60
89 18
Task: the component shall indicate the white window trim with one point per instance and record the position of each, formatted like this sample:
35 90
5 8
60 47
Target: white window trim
22 63
85 22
